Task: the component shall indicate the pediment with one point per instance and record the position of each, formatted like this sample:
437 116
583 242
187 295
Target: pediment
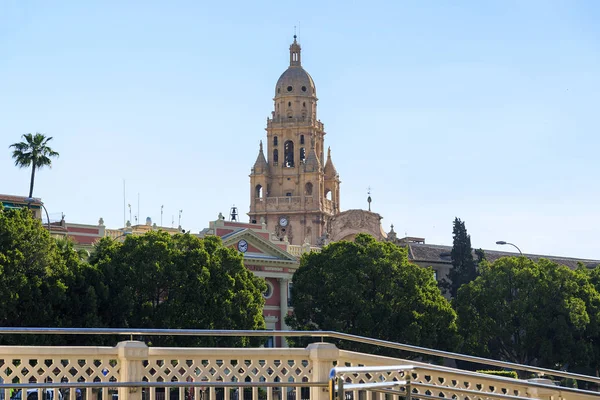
259 248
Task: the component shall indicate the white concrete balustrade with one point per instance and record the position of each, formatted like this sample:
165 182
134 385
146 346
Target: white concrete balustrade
205 371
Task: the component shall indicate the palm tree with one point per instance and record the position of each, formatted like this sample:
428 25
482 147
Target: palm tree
34 152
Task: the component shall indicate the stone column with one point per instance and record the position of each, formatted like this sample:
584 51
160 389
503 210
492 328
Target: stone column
131 355
283 307
322 355
544 393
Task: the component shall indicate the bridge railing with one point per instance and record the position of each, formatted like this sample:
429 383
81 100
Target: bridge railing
133 371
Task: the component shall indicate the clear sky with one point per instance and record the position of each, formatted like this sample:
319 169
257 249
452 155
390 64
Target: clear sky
485 110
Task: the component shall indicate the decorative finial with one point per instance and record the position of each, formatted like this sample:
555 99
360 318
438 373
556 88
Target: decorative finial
261 148
369 198
295 33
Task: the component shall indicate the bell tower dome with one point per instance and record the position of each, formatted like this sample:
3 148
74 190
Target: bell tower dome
290 189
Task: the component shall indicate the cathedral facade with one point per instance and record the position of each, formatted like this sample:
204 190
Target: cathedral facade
293 190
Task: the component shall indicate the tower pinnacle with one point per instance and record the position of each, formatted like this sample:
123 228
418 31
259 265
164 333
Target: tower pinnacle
295 53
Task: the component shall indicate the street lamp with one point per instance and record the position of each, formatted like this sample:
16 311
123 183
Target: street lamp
31 200
123 234
502 242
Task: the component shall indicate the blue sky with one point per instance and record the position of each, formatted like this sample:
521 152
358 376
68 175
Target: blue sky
485 110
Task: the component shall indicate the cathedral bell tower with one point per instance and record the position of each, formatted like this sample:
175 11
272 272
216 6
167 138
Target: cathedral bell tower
291 187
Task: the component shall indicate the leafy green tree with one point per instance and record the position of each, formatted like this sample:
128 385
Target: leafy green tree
32 275
537 313
162 281
369 288
464 267
35 152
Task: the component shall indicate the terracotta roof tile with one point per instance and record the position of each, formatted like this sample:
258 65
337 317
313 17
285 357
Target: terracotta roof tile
18 199
435 253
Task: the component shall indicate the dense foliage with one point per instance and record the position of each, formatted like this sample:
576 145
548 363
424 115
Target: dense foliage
369 288
537 313
464 266
151 281
158 280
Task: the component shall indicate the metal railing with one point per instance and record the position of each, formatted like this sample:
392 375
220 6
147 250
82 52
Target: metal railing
399 380
201 390
287 333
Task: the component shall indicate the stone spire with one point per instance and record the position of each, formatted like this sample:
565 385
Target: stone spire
330 170
312 162
260 166
295 54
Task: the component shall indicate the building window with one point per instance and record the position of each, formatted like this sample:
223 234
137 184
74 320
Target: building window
308 188
274 140
289 103
289 154
269 292
275 157
301 139
258 192
290 284
304 88
302 154
289 88
435 275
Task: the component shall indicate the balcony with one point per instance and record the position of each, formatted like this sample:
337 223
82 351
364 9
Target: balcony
282 203
297 251
284 122
133 371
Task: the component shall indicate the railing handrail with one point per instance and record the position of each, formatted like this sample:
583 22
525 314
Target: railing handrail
287 333
335 372
81 385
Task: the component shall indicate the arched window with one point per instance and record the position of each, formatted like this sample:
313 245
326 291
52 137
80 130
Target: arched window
302 154
274 140
258 192
289 103
328 194
301 139
289 154
275 157
308 188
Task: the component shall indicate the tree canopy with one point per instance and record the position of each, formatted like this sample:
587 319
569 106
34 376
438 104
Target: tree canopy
150 281
537 313
159 280
369 288
33 151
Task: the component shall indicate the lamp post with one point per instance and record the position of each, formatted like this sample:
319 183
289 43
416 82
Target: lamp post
502 242
122 235
31 200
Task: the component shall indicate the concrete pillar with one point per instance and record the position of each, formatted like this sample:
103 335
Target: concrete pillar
283 307
322 356
131 355
543 393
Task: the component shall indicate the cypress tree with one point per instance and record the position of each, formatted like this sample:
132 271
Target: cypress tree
464 267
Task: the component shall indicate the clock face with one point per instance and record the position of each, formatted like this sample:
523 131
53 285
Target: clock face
243 246
283 221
